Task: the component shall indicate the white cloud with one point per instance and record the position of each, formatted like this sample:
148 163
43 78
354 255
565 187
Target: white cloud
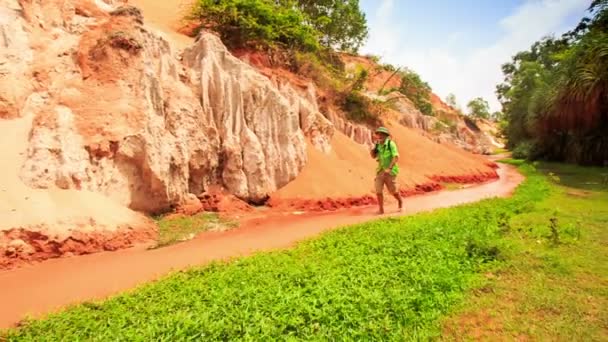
470 72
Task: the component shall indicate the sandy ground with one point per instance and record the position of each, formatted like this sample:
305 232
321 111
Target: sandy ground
348 171
57 212
166 17
97 276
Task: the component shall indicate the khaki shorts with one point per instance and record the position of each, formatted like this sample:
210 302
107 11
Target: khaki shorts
389 180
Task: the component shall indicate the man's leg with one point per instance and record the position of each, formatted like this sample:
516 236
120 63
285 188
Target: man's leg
392 188
379 185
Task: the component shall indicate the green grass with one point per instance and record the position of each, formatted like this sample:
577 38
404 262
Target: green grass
573 176
394 279
554 285
174 229
391 279
499 151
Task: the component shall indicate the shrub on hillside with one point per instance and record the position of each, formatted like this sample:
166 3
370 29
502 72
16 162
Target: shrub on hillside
322 67
361 109
341 23
418 91
388 67
297 24
242 22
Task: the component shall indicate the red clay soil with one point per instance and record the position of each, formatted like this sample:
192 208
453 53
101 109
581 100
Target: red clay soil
168 17
53 284
27 247
221 202
378 77
333 204
467 179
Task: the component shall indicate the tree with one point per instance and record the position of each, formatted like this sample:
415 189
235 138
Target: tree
342 23
259 22
299 24
418 91
451 100
479 108
497 116
554 96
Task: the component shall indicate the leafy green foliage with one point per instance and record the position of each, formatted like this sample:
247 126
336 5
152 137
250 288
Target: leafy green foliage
479 108
386 280
555 93
359 108
342 23
553 284
296 24
241 22
321 67
374 58
444 125
450 100
360 80
389 67
523 150
497 116
418 91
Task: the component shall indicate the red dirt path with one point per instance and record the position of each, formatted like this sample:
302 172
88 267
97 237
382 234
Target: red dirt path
46 287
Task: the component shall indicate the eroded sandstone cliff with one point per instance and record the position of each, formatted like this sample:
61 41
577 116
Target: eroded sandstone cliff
115 111
109 119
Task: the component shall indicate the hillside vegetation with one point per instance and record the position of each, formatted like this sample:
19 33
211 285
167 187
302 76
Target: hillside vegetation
308 35
555 95
296 24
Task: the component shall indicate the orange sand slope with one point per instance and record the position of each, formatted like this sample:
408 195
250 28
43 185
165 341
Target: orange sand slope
349 170
166 16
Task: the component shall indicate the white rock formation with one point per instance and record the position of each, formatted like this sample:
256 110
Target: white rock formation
117 112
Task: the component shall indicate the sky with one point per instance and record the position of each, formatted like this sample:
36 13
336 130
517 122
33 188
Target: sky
458 46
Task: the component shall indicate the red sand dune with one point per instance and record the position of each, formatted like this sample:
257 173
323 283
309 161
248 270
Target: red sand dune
344 178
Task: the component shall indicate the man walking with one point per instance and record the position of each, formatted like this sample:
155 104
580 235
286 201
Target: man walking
385 151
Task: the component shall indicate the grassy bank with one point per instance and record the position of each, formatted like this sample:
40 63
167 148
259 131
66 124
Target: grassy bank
393 279
554 284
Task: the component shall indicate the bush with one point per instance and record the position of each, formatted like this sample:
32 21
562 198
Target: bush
241 22
326 72
360 80
301 24
361 109
341 23
373 58
523 150
418 91
446 125
389 67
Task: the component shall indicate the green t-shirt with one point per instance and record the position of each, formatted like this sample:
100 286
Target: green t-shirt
386 152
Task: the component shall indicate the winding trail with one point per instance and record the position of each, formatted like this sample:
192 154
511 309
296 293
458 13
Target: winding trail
46 287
